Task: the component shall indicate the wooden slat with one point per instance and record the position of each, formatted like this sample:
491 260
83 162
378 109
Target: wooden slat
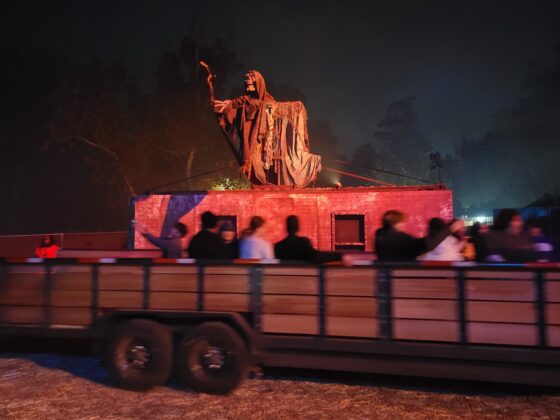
423 272
552 275
120 299
23 282
226 302
33 269
358 307
120 278
290 324
226 283
287 304
352 327
290 271
340 282
501 312
412 329
290 285
553 336
553 313
23 288
22 315
71 298
512 275
180 270
503 290
71 316
227 270
552 291
174 282
71 277
343 275
173 300
490 333
425 288
425 309
17 296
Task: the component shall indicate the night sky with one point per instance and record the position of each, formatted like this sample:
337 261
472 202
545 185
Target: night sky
463 60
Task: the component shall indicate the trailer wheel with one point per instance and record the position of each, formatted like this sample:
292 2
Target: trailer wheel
212 358
140 354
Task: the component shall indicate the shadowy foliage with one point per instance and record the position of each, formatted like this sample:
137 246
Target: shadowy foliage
517 162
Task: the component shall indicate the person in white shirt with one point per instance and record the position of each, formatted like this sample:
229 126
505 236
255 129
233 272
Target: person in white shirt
450 249
252 245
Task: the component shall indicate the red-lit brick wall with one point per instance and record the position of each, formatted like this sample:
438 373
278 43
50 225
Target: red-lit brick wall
315 207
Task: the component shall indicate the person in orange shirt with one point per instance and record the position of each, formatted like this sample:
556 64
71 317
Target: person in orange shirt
47 248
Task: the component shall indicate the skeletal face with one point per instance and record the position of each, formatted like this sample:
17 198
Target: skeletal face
250 82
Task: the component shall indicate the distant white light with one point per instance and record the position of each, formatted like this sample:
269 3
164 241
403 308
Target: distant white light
481 219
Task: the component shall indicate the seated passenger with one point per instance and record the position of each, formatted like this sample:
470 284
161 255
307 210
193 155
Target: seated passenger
392 244
252 245
208 244
171 245
229 236
299 248
476 240
542 244
450 249
507 241
47 249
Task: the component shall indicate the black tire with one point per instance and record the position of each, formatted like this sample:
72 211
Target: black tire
140 354
212 358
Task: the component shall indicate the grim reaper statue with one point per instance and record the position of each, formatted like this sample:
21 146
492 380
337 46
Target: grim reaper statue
269 137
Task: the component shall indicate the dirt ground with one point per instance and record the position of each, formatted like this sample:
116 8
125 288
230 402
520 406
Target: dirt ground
47 386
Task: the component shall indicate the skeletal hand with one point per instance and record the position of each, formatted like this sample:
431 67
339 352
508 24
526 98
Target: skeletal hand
220 106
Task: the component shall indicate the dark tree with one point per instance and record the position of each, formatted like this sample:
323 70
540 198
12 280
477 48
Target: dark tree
516 162
402 146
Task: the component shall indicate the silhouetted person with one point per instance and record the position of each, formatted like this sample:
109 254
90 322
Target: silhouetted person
542 244
207 244
47 248
507 242
252 244
392 244
171 245
294 247
299 248
229 236
477 232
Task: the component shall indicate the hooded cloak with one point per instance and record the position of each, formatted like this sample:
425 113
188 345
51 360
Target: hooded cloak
270 138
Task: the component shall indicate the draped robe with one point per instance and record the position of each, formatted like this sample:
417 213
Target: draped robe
270 138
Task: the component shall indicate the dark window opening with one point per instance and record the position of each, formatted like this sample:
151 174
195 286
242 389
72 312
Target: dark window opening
231 219
349 232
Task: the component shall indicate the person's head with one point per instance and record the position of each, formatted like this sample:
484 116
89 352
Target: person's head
227 232
47 240
510 220
256 223
475 230
392 219
435 226
179 230
534 227
209 220
292 224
